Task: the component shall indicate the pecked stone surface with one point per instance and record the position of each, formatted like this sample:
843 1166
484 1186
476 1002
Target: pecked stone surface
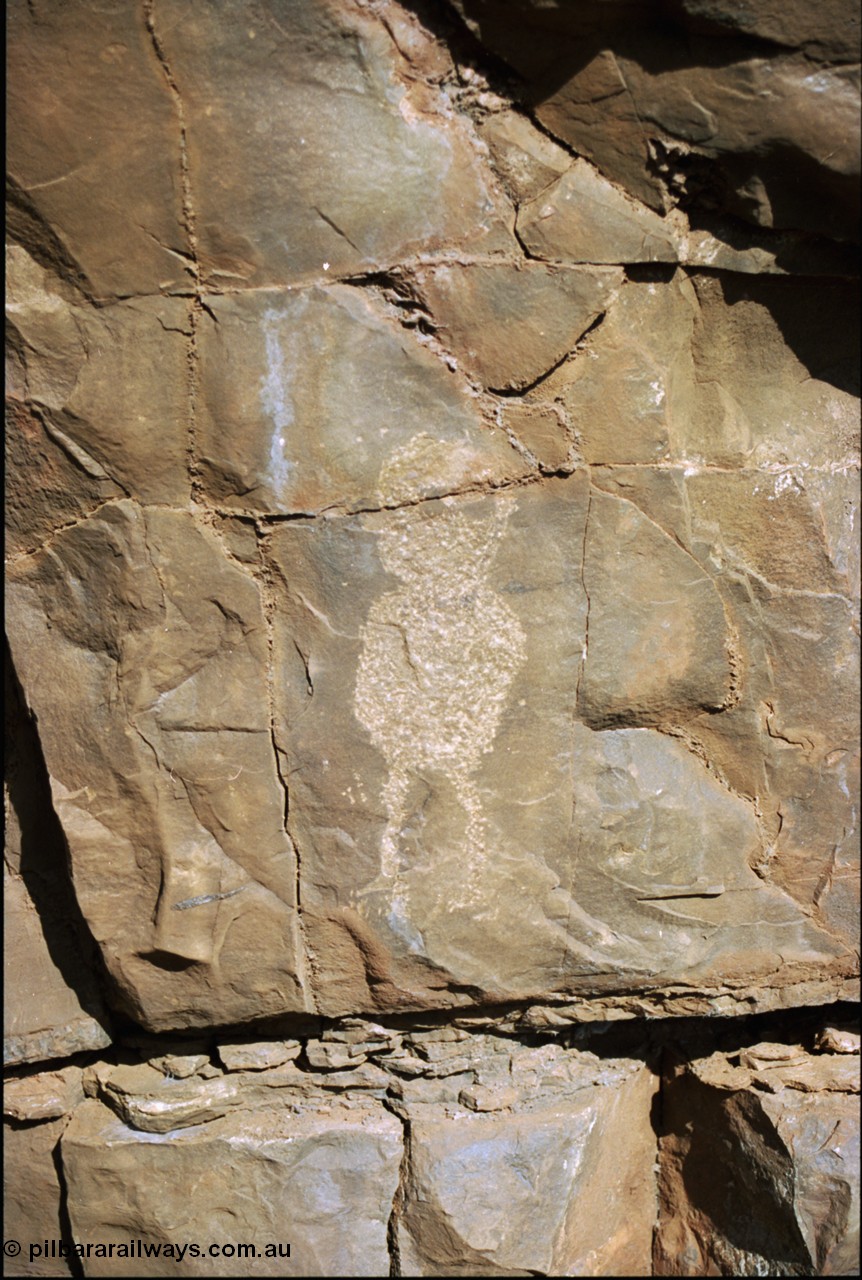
433 583
619 868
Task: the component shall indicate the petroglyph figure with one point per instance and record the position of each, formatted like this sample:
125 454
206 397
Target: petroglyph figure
438 659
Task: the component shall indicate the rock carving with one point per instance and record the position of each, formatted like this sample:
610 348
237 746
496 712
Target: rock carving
438 659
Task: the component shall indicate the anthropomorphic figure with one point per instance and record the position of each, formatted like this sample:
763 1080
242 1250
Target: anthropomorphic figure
438 660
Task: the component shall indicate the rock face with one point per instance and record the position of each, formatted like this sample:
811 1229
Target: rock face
432 597
308 1174
773 1127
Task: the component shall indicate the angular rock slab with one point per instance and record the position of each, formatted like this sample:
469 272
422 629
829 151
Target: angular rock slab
585 218
565 1186
307 395
776 545
319 1179
311 145
760 1166
44 1016
95 147
99 401
510 327
658 639
54 1006
685 106
468 832
720 371
32 1194
143 650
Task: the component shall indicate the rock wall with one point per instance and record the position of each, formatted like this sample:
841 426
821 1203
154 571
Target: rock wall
432 598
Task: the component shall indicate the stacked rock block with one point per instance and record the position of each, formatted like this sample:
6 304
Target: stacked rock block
432 591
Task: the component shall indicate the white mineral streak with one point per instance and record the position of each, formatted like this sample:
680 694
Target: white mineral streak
275 397
438 659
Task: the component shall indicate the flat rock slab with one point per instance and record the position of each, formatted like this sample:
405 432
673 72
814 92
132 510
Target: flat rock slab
309 397
482 833
171 801
532 1190
321 1180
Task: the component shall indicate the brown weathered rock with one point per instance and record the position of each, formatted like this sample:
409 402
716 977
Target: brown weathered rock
540 429
74 432
760 1168
630 392
830 33
36 1110
95 151
257 1056
788 586
275 442
532 1189
43 1012
45 1095
509 327
585 218
793 399
644 589
166 851
527 160
32 1195
719 372
837 1040
179 1066
312 148
695 104
393 809
321 1181
53 1006
433 582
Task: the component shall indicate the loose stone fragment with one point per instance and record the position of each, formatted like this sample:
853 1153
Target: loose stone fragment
258 1056
43 1096
837 1040
488 1098
330 1056
180 1066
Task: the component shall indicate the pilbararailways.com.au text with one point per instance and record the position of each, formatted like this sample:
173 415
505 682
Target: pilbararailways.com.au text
143 1249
